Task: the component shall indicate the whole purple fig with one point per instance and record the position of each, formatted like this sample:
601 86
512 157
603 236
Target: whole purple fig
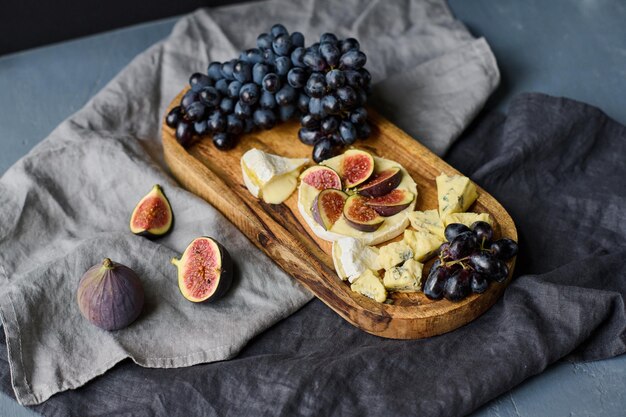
110 295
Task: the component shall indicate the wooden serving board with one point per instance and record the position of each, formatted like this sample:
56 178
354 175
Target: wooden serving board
280 231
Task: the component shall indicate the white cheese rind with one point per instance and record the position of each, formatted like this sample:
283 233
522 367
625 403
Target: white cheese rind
351 258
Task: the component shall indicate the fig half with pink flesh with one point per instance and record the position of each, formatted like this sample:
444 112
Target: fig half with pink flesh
328 206
356 167
321 178
361 216
152 216
391 203
205 271
381 183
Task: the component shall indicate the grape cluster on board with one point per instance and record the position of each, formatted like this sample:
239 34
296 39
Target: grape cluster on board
468 261
325 84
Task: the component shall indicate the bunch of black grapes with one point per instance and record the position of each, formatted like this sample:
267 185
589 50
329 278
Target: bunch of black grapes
325 83
468 261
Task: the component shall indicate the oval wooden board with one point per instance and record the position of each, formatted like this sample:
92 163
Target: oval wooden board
281 233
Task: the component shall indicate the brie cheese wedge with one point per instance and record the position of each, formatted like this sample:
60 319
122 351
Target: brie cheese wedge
270 177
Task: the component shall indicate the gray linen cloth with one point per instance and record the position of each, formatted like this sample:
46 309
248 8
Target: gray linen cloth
65 206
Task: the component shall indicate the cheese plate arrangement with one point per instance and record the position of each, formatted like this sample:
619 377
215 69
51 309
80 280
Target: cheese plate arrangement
376 226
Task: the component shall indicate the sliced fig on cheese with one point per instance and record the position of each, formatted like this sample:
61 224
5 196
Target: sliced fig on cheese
381 183
356 167
321 178
328 206
391 203
361 216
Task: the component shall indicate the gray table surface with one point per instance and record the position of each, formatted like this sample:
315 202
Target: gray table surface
571 48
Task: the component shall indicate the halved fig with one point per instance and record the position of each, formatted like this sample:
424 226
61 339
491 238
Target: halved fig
360 216
321 177
356 167
381 183
391 203
152 216
205 271
328 206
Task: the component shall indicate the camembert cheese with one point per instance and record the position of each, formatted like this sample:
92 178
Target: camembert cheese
455 194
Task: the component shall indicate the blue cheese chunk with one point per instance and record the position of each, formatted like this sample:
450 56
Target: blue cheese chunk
427 221
370 285
394 254
455 194
405 278
423 244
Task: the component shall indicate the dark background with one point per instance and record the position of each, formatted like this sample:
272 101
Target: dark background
28 23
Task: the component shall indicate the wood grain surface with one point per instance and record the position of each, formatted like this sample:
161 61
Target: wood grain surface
280 231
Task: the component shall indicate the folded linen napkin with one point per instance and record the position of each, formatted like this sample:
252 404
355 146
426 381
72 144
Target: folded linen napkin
65 205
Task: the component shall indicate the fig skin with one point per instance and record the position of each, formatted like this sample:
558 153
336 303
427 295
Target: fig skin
155 230
387 209
225 277
317 208
381 183
360 224
110 295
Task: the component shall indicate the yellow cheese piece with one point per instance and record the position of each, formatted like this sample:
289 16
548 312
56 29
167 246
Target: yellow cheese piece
370 285
427 221
394 254
455 194
467 218
424 244
405 278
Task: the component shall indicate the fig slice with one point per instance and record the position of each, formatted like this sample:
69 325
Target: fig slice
381 183
152 216
391 203
356 167
205 270
360 216
328 206
321 178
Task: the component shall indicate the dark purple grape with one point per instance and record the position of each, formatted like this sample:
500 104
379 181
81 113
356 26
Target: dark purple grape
248 125
216 122
259 71
335 137
367 77
478 282
314 61
363 131
352 60
502 271
314 47
283 65
252 56
347 132
331 105
453 230
315 108
286 95
242 72
330 124
223 141
234 126
310 122
221 85
269 57
444 250
296 57
198 81
286 112
267 100
330 53
361 97
227 70
249 93
265 119
278 29
233 89
328 37
323 149
347 96
282 45
184 133
349 44
463 245
309 136
504 248
297 39
335 78
271 83
215 70
174 116
264 41
201 127
188 98
434 284
210 97
484 263
484 232
354 78
358 116
315 85
195 111
242 110
458 285
303 103
297 77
